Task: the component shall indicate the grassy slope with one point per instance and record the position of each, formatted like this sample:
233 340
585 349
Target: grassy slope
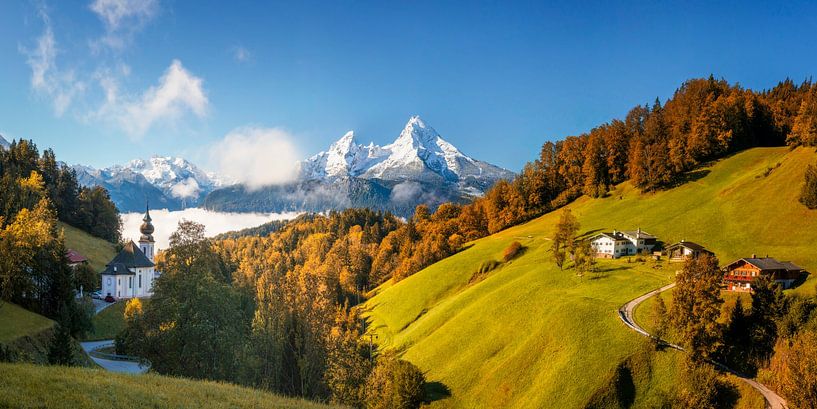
532 336
99 252
111 321
23 386
16 322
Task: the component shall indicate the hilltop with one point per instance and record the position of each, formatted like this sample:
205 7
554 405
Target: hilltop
530 335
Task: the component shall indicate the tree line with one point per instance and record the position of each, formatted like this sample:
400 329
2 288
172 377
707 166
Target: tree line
87 208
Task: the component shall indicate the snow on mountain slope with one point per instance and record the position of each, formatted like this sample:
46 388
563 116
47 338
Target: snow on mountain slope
418 154
169 182
4 144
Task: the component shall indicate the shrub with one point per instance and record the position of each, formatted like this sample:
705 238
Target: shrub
394 383
513 250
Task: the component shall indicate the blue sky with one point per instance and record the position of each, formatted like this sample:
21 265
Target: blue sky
106 81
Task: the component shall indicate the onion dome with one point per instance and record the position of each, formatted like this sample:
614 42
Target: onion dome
147 227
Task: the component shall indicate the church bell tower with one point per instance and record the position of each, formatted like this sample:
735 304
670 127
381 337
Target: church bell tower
146 241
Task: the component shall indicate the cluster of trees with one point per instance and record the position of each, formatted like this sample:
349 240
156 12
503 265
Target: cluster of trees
89 209
775 338
34 271
274 312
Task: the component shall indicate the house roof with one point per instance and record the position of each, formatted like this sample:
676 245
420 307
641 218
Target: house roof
613 236
768 263
624 235
131 257
117 269
690 245
74 257
638 234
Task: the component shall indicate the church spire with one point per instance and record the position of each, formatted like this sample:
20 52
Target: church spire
147 227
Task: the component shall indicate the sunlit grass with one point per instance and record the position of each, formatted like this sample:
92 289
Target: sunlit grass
530 335
31 386
98 252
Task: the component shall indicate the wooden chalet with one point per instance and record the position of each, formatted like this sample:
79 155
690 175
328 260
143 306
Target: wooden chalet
685 250
739 275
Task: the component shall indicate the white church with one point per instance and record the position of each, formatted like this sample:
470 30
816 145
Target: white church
131 273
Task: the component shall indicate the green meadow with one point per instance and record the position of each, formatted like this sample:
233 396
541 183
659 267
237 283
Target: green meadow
32 386
530 335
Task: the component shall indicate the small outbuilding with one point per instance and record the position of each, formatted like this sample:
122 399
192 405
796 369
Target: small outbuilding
685 250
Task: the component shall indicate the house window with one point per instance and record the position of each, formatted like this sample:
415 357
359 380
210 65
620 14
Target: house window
140 281
130 282
118 282
109 281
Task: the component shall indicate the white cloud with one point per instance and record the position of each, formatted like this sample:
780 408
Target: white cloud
186 189
406 192
61 87
122 19
241 54
166 222
256 156
177 93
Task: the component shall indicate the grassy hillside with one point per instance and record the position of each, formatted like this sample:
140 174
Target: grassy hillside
110 321
530 335
25 335
16 322
98 252
29 386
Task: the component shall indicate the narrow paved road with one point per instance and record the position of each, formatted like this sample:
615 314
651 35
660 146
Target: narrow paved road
113 365
773 400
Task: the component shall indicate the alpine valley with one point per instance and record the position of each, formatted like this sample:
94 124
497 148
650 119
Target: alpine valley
419 167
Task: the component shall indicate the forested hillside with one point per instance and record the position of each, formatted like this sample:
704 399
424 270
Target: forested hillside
529 334
36 193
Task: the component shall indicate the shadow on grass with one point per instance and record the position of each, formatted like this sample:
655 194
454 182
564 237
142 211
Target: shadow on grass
435 391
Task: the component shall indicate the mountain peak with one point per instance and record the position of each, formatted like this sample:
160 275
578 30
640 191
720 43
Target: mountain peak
416 134
345 143
4 144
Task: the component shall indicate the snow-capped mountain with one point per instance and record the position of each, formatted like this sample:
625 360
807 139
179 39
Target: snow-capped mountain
4 144
167 182
419 167
418 154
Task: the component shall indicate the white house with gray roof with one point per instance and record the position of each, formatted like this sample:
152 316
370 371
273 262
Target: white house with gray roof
622 243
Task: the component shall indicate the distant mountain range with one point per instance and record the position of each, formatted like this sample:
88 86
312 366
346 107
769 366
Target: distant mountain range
166 182
419 167
4 144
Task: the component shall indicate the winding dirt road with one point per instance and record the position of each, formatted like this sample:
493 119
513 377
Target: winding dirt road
773 400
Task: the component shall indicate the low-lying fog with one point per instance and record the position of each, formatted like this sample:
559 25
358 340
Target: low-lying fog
165 222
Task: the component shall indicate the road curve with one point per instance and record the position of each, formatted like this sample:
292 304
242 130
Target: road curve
626 313
113 365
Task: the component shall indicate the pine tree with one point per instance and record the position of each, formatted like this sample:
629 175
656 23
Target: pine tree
60 350
808 195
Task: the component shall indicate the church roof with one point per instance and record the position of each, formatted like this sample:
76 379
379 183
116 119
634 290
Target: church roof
131 256
117 269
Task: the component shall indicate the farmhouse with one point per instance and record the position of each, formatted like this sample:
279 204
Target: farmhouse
131 273
739 275
685 250
622 243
